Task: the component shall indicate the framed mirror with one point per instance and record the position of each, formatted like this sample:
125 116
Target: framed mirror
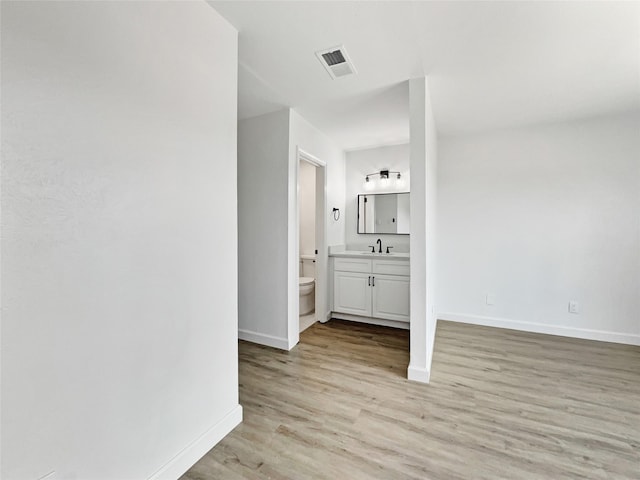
384 213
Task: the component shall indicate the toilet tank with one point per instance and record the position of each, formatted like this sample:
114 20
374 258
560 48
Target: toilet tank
308 266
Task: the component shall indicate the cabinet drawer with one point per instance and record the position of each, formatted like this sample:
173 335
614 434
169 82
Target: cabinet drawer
390 267
360 265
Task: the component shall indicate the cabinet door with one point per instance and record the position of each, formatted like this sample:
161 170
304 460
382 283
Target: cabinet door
352 293
391 297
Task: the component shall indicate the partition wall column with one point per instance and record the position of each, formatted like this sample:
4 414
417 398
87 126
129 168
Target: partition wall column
423 165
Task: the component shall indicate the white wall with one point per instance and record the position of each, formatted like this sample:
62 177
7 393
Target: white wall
424 235
313 141
119 302
305 137
307 207
358 164
268 218
432 239
541 216
263 154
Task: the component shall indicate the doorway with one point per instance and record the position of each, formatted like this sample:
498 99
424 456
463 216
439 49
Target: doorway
311 250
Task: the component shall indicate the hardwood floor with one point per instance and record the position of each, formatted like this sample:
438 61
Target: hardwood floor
501 405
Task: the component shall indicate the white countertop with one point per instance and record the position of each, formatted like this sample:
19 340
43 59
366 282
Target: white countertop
359 254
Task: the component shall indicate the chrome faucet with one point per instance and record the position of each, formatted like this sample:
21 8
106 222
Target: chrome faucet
379 242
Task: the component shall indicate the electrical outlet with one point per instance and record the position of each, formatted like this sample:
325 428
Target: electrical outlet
491 299
574 307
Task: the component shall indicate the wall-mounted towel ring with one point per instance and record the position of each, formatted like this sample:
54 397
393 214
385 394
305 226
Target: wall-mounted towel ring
336 214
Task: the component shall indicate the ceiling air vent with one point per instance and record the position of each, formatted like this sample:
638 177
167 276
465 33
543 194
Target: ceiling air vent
336 61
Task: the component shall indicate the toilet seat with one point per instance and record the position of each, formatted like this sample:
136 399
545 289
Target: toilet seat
304 281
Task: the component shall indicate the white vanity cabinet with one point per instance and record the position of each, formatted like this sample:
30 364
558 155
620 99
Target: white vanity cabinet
352 293
390 297
372 288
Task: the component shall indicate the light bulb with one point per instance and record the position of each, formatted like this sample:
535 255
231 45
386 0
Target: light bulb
368 184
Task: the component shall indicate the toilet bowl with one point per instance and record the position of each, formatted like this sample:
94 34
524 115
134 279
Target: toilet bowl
307 295
307 284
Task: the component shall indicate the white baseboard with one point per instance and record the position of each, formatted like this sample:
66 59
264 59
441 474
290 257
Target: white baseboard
373 321
193 452
587 334
264 339
327 318
418 374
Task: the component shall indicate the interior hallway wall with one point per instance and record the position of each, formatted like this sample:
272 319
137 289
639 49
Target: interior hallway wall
268 236
263 153
424 232
304 137
541 216
119 300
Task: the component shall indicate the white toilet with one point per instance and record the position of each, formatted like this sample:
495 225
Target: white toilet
307 284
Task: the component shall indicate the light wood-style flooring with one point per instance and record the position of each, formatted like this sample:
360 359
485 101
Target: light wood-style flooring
501 405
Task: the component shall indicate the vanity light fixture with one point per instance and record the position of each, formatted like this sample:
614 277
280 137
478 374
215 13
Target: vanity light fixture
384 176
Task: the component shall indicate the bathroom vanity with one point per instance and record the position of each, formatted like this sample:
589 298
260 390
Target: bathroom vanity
370 287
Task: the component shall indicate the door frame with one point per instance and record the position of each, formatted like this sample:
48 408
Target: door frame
322 258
